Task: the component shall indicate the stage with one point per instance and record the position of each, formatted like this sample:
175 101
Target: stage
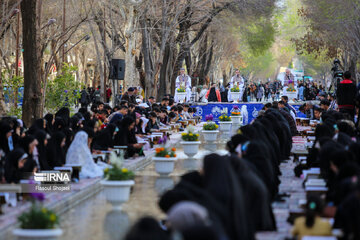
216 109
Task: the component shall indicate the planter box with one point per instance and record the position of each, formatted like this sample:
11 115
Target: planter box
191 148
37 234
235 96
210 136
117 192
181 96
225 126
237 119
164 166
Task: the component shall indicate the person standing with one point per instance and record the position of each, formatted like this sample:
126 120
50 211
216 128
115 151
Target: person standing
84 99
129 96
183 81
260 93
202 94
288 78
108 94
345 94
236 81
97 95
213 95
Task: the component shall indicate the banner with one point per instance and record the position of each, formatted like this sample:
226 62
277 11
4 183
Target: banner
217 109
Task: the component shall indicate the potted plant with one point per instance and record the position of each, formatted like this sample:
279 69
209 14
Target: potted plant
236 116
210 129
225 123
164 158
190 141
38 222
235 93
117 184
181 94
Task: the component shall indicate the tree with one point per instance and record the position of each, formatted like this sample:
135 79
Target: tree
32 107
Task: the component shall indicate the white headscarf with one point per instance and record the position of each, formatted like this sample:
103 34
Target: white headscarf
186 214
79 153
145 121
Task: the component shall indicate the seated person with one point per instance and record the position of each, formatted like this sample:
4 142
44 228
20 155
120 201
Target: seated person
163 118
312 224
152 124
186 112
126 137
173 118
317 113
180 112
308 110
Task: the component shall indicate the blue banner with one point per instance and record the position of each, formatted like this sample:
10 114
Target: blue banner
217 109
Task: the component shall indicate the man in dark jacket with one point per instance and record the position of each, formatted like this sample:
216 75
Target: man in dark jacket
345 94
129 96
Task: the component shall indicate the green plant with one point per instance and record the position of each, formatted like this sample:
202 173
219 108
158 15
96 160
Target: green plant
190 137
12 85
235 89
165 152
38 217
63 90
118 174
224 118
181 90
210 126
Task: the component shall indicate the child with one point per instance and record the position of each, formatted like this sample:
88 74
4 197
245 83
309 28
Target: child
312 224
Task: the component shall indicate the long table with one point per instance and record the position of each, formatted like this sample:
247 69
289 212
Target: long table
216 109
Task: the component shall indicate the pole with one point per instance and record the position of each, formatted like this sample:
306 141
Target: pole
63 30
105 93
17 55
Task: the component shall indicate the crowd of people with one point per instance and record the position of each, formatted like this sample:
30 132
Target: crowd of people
230 196
261 92
59 139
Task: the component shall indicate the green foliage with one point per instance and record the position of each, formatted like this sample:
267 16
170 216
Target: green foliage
118 174
210 127
190 137
63 90
38 217
165 152
260 36
181 90
11 85
235 89
225 118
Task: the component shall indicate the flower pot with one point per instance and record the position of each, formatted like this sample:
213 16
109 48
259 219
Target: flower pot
117 192
191 148
225 126
181 96
210 136
237 119
164 166
37 234
235 96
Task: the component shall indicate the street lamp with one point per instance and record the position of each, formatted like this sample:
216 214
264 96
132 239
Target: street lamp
86 38
50 22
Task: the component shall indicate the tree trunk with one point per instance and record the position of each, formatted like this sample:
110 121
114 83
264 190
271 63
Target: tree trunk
130 35
352 69
163 73
2 101
150 89
32 69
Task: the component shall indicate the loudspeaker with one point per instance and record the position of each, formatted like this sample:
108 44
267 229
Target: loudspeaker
117 69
